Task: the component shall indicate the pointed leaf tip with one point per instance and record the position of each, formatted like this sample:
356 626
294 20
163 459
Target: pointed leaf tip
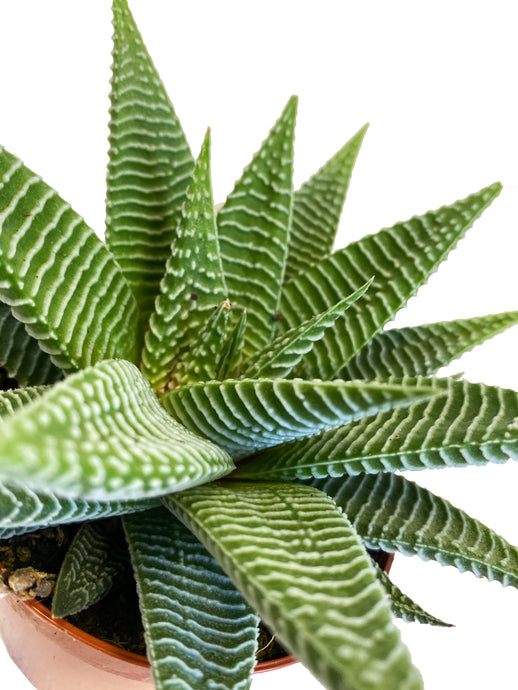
402 257
253 231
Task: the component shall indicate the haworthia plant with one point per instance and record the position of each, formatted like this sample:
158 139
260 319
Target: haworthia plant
21 355
79 317
471 424
257 533
149 169
317 207
423 350
193 284
217 400
175 574
395 257
101 434
253 228
393 513
402 606
89 568
250 414
287 350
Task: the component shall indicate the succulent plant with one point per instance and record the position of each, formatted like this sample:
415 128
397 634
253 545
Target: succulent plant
225 386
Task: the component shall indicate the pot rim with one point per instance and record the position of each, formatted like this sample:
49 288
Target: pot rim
44 613
384 560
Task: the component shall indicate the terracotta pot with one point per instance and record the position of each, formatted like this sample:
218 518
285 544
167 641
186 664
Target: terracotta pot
55 655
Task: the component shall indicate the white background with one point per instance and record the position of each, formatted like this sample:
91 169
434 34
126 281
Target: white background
437 82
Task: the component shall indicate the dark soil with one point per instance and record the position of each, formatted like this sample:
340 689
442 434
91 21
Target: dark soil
116 618
6 383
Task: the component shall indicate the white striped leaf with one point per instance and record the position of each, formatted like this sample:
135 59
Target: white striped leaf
150 164
24 509
250 414
402 606
400 258
202 363
286 351
58 277
193 283
230 356
200 632
470 424
390 512
20 354
32 509
101 434
253 228
317 207
300 564
12 400
422 350
89 568
9 532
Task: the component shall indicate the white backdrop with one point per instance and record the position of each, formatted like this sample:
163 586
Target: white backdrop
437 82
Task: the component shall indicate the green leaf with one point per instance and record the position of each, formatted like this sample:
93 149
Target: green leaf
58 277
249 414
101 434
317 207
89 568
193 284
202 363
253 228
402 606
422 350
200 632
21 355
150 165
13 400
400 258
471 424
287 350
230 357
390 512
21 507
302 567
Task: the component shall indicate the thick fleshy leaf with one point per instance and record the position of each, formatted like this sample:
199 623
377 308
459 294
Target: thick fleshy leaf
400 258
193 284
423 350
253 228
200 632
317 207
250 414
150 165
302 567
36 508
402 606
230 357
21 355
286 351
58 277
89 568
471 424
23 509
101 434
202 362
390 512
13 400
